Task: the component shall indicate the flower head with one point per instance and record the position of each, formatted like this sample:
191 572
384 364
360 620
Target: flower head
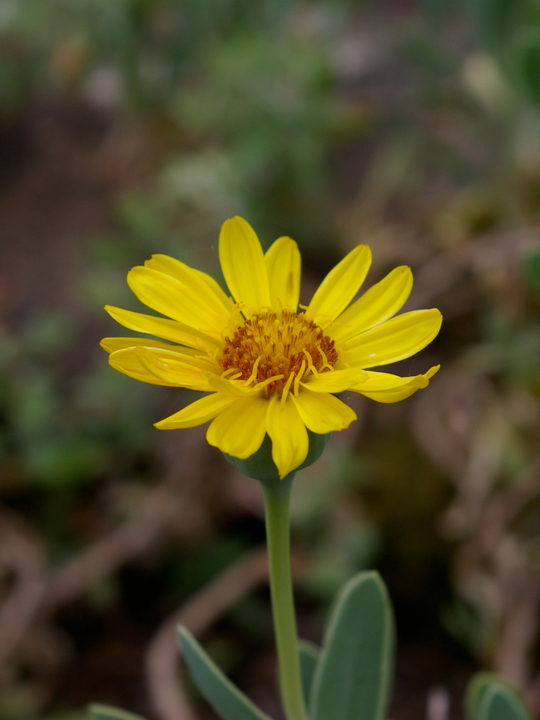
268 367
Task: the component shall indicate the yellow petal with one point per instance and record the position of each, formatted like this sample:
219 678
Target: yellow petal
322 413
240 429
340 286
185 356
387 388
127 362
231 388
333 381
161 327
290 441
394 340
174 369
170 297
204 285
242 262
380 302
112 344
376 381
197 413
392 396
283 264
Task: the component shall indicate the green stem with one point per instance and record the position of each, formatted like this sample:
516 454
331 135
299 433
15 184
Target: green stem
276 504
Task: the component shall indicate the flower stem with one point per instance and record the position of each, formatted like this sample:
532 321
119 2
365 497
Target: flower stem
276 504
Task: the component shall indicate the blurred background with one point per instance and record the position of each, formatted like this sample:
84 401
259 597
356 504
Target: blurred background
138 126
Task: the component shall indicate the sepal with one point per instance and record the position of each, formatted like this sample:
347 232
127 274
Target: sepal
260 465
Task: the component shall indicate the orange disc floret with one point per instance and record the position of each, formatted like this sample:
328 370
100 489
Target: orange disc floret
275 348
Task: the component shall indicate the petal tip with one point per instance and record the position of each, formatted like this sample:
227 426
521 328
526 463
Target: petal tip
432 371
363 250
164 425
235 221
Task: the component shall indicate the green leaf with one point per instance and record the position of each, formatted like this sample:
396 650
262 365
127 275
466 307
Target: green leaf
353 676
490 697
106 712
309 657
223 696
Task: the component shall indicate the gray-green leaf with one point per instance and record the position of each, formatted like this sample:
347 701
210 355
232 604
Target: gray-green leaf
309 656
490 697
354 673
227 700
107 712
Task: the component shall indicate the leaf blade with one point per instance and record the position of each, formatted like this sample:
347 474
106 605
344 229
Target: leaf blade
309 656
490 697
223 696
108 712
353 676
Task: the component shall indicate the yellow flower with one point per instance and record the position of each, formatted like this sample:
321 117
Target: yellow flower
268 367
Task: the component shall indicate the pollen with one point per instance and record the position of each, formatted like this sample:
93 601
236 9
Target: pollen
277 350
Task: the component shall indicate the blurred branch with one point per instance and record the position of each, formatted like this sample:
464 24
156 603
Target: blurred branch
162 513
21 554
173 508
512 588
37 592
463 426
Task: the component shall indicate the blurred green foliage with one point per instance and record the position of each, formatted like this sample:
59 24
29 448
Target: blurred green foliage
511 31
58 430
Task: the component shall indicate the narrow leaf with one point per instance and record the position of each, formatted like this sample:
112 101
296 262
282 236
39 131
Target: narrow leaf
309 656
221 694
353 676
106 712
490 697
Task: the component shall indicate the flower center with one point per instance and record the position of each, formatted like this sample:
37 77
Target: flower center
277 349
